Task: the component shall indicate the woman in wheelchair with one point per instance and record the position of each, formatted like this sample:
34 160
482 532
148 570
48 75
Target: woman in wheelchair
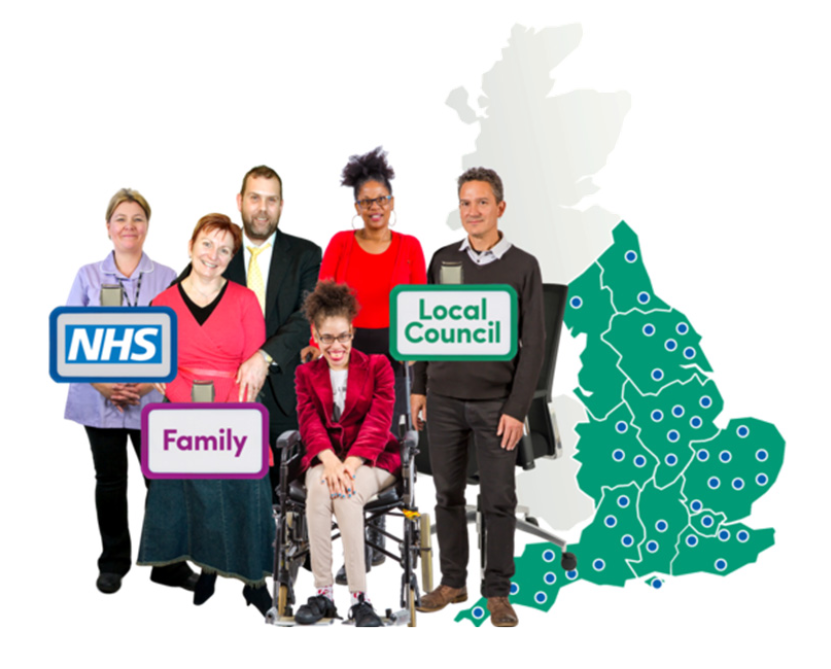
344 403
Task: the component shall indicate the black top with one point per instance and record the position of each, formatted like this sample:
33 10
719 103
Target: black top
516 379
201 314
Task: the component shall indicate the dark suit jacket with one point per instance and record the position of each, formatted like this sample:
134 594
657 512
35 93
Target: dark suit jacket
295 265
364 426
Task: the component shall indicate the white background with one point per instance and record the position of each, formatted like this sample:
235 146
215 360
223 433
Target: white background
722 168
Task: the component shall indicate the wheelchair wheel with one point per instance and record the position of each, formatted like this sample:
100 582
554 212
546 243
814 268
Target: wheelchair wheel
425 544
282 599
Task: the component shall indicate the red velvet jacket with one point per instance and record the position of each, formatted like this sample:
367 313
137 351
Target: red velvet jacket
364 426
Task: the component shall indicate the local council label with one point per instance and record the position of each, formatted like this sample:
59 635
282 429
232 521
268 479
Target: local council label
453 322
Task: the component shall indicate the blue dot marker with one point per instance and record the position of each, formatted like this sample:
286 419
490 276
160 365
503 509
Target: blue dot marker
640 461
707 521
673 435
599 565
627 540
652 546
631 256
721 564
550 578
725 456
657 583
724 535
761 479
571 575
649 329
738 484
540 597
610 521
761 455
705 401
671 459
743 536
696 505
689 353
695 422
657 415
478 612
661 526
678 411
548 555
743 431
682 328
623 501
643 298
576 302
692 540
713 482
618 455
514 588
703 455
670 344
621 426
657 374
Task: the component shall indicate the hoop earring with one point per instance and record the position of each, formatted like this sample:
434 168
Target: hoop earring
394 219
353 221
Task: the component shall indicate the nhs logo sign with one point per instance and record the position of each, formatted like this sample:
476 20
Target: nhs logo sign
112 344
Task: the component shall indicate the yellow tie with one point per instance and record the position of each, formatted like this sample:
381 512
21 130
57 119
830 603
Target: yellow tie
255 276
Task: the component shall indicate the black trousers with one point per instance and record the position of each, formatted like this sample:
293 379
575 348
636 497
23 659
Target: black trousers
450 423
109 454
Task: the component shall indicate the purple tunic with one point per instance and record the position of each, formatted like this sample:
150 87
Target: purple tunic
85 405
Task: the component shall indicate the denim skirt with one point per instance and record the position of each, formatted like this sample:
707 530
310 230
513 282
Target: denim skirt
223 526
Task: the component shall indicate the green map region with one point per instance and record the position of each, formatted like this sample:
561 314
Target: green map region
671 490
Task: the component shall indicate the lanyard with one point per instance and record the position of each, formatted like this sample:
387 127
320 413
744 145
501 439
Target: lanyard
124 290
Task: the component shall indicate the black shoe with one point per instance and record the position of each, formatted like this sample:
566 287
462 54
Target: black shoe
108 583
204 590
363 614
340 577
373 535
259 597
177 575
318 607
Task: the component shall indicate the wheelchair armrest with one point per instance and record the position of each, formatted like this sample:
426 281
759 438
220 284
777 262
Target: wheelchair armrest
290 445
409 447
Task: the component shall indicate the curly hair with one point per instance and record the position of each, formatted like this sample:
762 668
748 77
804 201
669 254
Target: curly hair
488 176
372 166
331 299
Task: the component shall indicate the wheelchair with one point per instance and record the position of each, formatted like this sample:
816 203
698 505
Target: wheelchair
292 540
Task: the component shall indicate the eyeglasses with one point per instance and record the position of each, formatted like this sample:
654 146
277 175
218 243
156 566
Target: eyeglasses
382 202
328 340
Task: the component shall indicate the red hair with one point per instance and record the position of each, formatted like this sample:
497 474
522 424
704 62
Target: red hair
218 222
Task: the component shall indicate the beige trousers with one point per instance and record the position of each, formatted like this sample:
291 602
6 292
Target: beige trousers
349 513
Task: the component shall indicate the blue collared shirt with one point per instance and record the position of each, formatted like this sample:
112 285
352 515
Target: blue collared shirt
85 405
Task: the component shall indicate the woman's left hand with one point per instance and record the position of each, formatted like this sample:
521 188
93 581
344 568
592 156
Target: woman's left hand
351 465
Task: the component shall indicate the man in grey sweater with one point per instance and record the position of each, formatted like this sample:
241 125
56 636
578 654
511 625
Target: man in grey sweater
489 399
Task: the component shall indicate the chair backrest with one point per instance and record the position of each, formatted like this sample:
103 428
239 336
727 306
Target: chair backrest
540 439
